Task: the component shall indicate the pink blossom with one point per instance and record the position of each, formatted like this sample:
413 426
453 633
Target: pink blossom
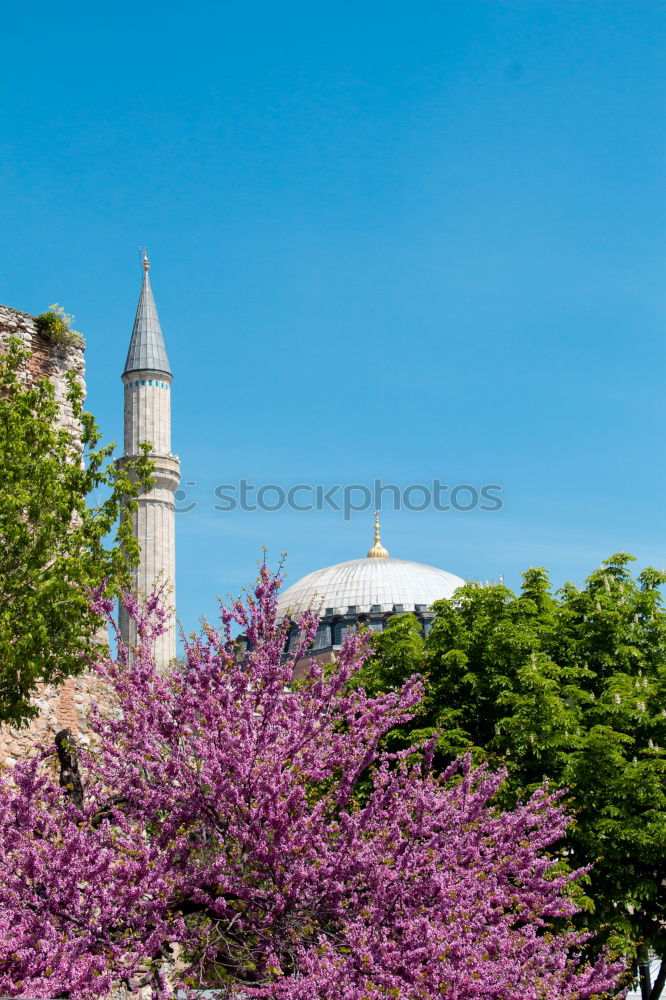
254 823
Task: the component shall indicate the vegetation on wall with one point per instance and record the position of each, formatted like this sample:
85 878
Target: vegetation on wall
56 324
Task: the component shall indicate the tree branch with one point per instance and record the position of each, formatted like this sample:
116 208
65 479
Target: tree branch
70 779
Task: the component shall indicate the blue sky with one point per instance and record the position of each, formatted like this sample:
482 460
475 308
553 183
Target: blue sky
389 240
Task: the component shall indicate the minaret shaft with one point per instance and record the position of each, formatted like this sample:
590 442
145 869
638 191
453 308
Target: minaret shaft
147 413
147 383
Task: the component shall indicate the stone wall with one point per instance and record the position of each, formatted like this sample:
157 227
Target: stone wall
46 358
64 706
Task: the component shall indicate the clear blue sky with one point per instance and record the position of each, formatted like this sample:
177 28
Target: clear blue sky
396 240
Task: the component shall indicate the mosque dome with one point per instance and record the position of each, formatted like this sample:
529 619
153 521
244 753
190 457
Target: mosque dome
369 585
370 589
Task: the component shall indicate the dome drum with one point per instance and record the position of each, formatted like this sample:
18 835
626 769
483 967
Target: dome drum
332 629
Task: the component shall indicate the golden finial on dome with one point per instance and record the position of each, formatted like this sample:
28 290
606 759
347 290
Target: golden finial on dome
377 551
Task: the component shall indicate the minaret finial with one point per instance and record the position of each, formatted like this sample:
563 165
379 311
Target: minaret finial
377 551
145 261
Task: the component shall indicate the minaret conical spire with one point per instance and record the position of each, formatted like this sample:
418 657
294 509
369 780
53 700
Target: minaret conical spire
147 351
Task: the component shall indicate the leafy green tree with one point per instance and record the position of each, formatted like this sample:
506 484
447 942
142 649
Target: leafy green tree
55 542
570 687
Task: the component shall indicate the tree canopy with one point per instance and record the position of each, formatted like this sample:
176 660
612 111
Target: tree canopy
569 687
218 810
59 537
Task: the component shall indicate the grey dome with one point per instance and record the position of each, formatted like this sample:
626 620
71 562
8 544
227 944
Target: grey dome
369 584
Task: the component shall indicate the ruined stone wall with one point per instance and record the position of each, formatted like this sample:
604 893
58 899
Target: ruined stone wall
46 358
63 706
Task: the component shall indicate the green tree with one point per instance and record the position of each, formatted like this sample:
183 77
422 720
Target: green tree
571 687
56 544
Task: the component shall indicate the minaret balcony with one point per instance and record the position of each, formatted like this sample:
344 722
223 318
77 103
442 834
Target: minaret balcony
166 474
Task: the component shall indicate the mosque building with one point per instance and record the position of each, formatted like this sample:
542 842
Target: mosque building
367 590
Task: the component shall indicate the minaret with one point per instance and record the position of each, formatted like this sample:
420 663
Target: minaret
147 382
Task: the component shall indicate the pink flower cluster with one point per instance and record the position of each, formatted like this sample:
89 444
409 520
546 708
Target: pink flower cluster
253 823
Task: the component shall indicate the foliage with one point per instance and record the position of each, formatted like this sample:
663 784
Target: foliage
569 687
54 546
220 815
56 324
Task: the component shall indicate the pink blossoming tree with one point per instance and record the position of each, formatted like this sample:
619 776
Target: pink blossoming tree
219 810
